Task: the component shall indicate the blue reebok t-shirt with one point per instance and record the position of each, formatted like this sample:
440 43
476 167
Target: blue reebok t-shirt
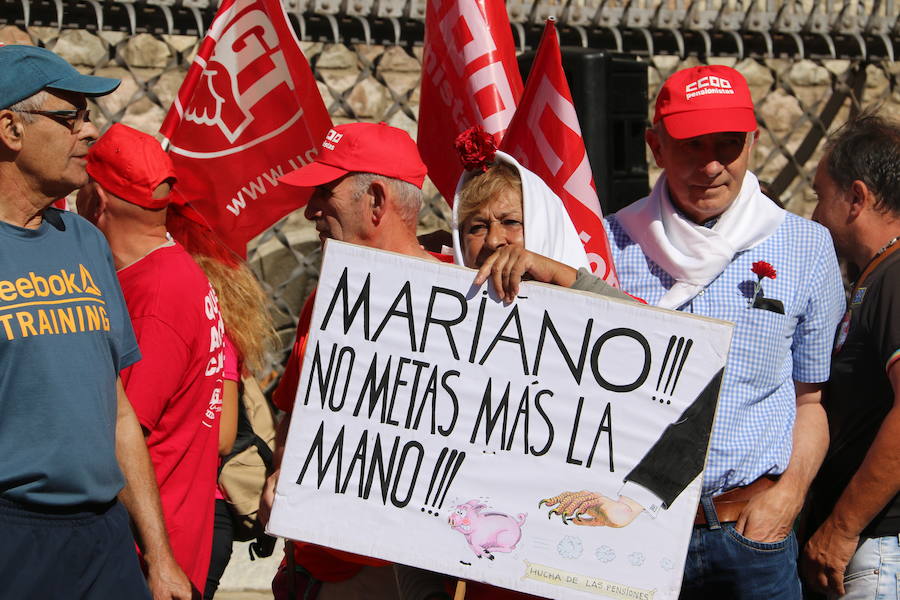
64 336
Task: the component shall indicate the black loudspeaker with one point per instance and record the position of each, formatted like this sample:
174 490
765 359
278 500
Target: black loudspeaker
609 90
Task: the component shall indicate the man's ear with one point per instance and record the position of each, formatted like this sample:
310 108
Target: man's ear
84 201
860 198
379 198
102 198
11 131
754 138
652 138
93 199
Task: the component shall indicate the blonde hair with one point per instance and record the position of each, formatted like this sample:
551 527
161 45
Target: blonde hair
244 308
481 188
242 302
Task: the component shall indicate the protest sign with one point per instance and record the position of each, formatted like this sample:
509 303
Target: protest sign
438 427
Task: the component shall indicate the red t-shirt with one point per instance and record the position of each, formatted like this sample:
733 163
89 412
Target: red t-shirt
283 396
176 391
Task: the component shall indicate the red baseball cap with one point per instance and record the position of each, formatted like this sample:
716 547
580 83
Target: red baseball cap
705 99
362 148
131 165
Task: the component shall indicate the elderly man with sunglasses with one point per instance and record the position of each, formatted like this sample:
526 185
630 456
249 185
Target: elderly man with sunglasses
72 454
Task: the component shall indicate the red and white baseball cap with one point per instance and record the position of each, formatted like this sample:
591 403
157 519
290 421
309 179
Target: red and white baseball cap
362 148
131 165
705 99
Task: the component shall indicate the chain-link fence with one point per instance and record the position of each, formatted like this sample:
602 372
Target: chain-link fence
810 65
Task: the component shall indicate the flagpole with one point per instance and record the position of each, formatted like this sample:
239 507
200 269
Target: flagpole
460 590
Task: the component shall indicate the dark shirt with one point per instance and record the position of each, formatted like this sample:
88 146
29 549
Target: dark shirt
859 393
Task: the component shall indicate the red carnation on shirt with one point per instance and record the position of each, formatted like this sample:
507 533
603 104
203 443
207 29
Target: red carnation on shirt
762 269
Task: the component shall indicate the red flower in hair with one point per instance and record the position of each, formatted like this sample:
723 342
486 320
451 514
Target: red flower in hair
476 148
762 269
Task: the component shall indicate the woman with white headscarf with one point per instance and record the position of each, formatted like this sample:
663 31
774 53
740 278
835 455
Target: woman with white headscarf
495 198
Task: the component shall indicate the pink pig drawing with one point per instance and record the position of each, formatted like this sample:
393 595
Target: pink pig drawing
487 532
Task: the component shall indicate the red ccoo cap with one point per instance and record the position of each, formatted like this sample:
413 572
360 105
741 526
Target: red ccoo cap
705 99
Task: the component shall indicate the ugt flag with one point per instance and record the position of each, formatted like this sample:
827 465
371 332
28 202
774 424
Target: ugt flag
247 113
469 77
545 137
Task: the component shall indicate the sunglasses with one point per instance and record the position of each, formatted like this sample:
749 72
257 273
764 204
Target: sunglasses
74 119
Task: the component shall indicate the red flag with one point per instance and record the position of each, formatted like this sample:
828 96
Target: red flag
545 137
469 77
248 112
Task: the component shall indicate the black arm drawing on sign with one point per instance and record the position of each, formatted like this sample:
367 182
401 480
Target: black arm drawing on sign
670 465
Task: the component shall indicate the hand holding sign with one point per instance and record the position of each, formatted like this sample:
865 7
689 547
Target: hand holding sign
509 265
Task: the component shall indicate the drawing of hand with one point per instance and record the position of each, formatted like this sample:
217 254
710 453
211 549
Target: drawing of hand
593 509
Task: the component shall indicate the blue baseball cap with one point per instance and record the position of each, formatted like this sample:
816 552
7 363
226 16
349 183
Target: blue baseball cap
26 70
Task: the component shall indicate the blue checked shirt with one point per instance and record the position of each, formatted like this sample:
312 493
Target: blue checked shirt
752 434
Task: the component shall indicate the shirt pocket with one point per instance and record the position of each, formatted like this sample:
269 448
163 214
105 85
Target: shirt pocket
761 347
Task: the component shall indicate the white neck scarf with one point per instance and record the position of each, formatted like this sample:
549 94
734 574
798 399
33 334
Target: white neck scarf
692 254
548 229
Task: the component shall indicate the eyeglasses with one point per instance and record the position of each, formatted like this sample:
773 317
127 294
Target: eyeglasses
74 119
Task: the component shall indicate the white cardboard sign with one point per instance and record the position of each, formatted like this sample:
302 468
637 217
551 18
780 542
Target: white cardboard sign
438 427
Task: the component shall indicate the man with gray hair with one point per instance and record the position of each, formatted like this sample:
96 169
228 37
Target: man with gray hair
72 455
707 241
366 182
